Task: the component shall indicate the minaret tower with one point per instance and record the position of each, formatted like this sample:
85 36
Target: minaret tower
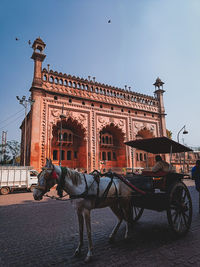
37 108
159 95
38 57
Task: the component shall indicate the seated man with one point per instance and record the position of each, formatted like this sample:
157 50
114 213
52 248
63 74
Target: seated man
161 165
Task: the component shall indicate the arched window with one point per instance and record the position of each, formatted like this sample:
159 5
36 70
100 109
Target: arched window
70 137
69 155
114 156
56 80
65 82
44 77
55 155
106 139
70 84
103 140
51 79
103 155
61 82
109 155
141 157
63 155
74 84
75 155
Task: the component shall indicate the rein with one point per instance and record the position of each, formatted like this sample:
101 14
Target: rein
96 178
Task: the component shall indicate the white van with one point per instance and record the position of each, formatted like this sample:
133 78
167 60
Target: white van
13 177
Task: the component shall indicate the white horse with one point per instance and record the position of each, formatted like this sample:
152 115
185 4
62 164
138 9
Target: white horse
89 193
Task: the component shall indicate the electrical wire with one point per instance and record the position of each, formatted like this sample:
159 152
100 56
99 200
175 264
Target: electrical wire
1 128
11 116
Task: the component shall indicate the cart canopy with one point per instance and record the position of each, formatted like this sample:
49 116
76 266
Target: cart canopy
158 145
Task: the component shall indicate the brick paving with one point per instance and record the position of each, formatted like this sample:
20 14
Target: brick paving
45 233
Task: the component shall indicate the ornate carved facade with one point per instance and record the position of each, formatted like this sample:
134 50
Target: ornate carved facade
83 124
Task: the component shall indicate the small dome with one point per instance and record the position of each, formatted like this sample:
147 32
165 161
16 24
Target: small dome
39 40
38 44
158 82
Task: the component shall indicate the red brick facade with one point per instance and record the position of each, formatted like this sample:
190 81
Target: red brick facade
95 120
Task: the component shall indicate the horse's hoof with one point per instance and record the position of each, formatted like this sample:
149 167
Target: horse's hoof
111 240
77 253
87 259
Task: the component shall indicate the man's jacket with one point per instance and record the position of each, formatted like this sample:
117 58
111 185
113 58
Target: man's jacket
196 177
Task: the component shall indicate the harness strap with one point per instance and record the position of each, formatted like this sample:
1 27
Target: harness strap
105 193
85 193
134 188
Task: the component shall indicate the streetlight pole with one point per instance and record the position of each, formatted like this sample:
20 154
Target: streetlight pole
24 102
62 116
184 132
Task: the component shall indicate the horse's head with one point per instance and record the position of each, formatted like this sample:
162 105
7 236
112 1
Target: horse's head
47 178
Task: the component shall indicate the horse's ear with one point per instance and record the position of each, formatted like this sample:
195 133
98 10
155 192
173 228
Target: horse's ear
47 162
50 163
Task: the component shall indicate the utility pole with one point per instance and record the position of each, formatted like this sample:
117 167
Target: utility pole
4 137
24 102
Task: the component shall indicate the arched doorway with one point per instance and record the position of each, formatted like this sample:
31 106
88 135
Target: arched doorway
112 151
142 158
69 145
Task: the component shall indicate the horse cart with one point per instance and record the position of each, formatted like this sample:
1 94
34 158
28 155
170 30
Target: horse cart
126 196
162 191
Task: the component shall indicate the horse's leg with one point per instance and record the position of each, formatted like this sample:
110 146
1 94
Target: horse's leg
81 224
127 211
89 235
119 215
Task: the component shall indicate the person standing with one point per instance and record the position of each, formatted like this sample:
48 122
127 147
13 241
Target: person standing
196 175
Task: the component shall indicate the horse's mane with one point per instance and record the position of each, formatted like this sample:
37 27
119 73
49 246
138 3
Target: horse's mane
74 176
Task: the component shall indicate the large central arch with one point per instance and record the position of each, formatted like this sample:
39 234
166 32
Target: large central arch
112 151
69 144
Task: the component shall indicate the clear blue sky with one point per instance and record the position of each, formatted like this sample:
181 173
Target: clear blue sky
146 39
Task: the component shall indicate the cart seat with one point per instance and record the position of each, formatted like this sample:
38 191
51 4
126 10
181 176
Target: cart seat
154 174
140 181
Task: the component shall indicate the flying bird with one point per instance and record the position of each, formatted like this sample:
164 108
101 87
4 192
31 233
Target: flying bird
17 39
109 21
29 42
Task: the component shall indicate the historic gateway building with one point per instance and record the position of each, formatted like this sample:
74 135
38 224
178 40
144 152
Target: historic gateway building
83 124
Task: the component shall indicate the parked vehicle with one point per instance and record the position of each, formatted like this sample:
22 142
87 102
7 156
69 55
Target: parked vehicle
15 177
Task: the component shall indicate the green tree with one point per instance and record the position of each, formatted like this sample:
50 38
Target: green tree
9 152
169 134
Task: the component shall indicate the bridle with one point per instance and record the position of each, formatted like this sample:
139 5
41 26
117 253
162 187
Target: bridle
47 176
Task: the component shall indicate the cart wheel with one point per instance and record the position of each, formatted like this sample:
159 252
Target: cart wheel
5 190
179 212
137 213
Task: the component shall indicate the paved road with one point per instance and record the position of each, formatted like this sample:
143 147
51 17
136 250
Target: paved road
46 234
